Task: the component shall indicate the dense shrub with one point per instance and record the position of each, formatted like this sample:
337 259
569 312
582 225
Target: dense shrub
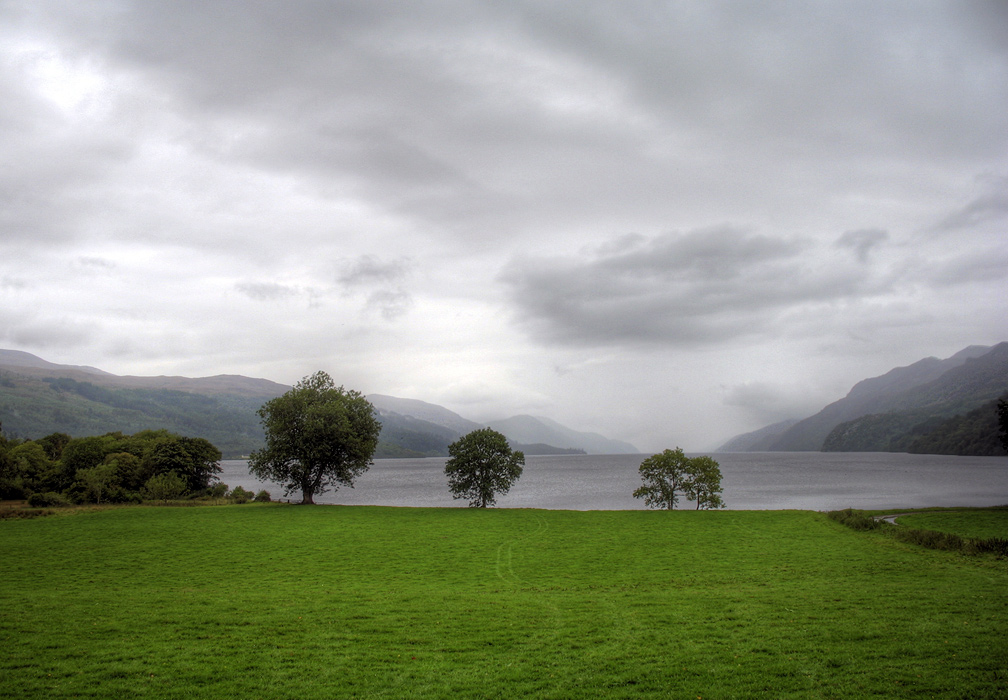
931 539
856 519
240 495
991 545
218 490
263 496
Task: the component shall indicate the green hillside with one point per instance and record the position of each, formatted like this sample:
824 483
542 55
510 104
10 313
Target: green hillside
33 407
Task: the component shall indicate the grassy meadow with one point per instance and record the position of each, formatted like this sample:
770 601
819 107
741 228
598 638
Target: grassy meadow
271 601
979 523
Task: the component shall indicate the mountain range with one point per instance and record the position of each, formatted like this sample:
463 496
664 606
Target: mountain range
937 406
38 398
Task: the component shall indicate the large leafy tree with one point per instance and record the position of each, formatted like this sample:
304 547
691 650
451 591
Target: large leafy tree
482 465
663 475
703 482
318 436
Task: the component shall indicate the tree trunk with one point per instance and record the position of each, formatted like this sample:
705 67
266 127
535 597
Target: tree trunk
307 497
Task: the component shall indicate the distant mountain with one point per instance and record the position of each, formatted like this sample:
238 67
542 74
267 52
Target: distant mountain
758 440
38 398
412 428
907 417
25 360
421 410
876 395
530 429
26 364
916 408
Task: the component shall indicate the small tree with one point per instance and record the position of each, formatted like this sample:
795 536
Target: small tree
481 466
165 487
663 475
317 436
98 479
703 482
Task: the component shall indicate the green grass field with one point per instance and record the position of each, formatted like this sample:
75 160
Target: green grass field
275 601
978 523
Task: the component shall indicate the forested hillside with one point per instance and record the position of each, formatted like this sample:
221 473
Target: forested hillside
932 406
38 398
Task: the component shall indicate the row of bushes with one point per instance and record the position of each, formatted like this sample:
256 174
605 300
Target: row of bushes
55 499
110 468
931 539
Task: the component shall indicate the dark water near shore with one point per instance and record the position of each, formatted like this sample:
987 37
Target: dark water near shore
751 481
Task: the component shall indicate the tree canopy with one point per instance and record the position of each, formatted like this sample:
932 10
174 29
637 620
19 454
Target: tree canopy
664 475
481 466
703 482
110 468
318 436
669 473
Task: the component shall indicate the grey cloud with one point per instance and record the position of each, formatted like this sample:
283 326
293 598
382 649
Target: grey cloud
966 268
989 206
391 303
862 241
95 265
706 286
369 270
767 403
381 280
39 331
13 283
266 291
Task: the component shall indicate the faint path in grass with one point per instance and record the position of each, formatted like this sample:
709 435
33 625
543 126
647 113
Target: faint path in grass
505 551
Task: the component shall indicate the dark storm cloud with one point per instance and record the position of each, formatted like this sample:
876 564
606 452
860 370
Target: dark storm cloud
706 286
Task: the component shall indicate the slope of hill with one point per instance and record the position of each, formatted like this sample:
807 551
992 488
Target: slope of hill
38 398
758 440
32 407
421 410
910 415
872 396
531 429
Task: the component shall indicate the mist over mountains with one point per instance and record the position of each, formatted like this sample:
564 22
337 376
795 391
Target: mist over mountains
938 406
38 398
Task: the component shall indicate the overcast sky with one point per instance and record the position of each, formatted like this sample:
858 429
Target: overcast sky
668 222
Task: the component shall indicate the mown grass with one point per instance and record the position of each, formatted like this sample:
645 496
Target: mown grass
338 602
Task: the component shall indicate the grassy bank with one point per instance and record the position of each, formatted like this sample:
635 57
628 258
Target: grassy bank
293 602
977 523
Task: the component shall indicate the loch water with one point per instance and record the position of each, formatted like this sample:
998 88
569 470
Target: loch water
751 481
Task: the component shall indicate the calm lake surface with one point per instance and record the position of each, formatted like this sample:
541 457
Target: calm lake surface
751 481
